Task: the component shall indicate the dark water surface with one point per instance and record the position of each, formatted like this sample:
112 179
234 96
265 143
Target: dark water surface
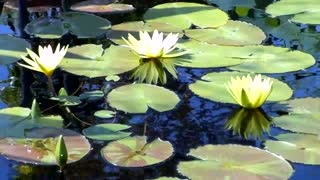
193 123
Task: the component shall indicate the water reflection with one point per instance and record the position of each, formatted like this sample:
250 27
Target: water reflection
249 123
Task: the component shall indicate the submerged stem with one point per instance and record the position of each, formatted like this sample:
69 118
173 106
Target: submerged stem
51 86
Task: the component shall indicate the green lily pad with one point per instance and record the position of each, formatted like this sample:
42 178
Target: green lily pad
106 132
121 30
212 87
300 148
67 100
307 105
104 114
114 78
92 95
39 146
234 162
80 24
183 15
14 121
136 152
105 7
303 123
234 33
304 11
270 59
92 61
136 98
11 49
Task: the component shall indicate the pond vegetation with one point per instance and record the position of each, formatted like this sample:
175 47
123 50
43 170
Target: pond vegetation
174 90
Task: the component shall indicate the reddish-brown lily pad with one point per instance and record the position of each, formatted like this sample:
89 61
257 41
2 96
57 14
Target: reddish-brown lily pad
39 146
136 152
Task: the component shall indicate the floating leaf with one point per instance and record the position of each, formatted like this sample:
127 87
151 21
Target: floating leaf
136 98
303 123
234 162
299 106
121 30
300 148
106 132
104 114
92 95
136 152
212 87
39 146
308 14
80 24
183 15
234 33
11 49
61 152
102 7
114 78
98 63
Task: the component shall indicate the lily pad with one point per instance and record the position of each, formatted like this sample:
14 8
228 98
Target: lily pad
212 87
300 148
304 11
98 63
11 49
234 33
102 7
104 114
183 15
92 95
106 132
39 146
299 106
136 152
234 162
136 98
121 30
67 100
303 123
80 24
14 121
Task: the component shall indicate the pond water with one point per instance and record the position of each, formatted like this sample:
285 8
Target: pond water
194 122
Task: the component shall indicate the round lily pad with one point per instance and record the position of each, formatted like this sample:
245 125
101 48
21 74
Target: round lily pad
104 114
136 152
80 24
234 33
269 59
212 86
307 105
303 123
14 121
309 14
122 30
106 132
234 162
102 7
39 145
183 15
98 63
11 49
136 98
300 148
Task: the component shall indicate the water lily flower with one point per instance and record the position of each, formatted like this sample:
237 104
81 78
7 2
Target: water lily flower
249 93
156 53
155 46
47 60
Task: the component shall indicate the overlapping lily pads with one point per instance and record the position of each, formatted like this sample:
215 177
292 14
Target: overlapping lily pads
234 33
300 148
106 132
121 30
39 146
234 162
80 24
304 11
11 49
183 15
212 86
136 98
92 61
15 121
136 152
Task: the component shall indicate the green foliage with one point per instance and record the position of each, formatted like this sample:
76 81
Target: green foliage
61 152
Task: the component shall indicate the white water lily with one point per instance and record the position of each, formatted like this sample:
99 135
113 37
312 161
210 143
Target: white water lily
249 93
47 60
155 46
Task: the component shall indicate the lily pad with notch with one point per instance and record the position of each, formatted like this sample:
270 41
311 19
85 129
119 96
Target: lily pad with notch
106 132
234 162
105 114
11 49
137 152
